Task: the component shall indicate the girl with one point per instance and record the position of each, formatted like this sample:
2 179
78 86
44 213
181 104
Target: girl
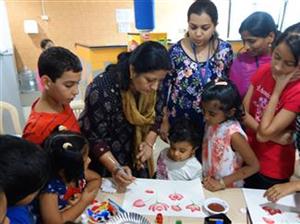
271 103
72 187
179 162
196 59
225 146
258 32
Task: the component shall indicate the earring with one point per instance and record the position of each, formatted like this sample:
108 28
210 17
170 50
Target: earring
269 45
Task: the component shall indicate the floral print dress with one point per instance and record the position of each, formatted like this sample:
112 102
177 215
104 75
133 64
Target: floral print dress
183 86
219 159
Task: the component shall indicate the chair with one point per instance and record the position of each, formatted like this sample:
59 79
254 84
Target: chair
77 106
12 110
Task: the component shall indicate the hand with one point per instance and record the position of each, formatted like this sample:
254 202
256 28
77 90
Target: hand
74 199
123 176
283 79
164 130
284 138
145 153
278 191
211 184
88 196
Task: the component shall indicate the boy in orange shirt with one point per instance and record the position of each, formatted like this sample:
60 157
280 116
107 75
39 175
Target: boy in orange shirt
60 72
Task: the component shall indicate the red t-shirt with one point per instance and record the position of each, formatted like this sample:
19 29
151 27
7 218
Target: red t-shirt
40 124
276 161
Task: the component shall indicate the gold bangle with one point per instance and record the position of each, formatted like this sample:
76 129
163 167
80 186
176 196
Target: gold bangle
222 183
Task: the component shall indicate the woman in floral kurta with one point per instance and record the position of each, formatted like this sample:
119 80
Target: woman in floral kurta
196 60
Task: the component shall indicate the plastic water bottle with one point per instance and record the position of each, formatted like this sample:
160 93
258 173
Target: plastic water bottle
27 80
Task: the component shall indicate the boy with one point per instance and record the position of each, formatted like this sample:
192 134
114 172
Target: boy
60 72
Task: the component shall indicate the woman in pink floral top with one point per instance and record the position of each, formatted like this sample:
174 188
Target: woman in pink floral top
225 146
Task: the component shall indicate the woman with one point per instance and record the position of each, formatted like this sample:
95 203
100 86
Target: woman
119 109
258 32
272 103
196 60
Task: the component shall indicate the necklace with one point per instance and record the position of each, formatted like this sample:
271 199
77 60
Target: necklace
203 72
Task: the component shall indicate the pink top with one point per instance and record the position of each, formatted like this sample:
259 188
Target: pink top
242 69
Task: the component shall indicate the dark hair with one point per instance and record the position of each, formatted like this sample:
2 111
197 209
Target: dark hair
204 6
227 94
150 56
291 36
44 42
24 168
259 24
184 129
65 149
54 61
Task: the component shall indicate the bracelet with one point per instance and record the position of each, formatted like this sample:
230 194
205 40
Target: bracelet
117 169
222 183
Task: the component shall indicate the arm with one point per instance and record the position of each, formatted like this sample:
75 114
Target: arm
49 202
278 191
240 145
52 215
93 181
248 120
271 124
283 137
96 124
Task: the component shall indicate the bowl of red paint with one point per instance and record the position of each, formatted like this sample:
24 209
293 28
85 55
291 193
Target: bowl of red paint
216 206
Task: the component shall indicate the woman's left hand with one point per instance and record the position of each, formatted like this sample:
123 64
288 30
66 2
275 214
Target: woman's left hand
145 152
212 184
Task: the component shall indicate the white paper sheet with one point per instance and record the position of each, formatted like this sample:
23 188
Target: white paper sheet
286 210
171 198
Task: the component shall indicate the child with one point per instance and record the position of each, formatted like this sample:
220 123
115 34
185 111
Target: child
60 72
3 207
225 146
179 162
258 32
278 191
72 186
272 103
23 172
45 44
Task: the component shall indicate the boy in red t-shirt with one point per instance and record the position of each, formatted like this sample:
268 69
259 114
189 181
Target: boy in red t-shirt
60 72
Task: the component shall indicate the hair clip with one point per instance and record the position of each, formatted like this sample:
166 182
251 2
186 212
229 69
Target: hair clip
66 145
221 83
62 128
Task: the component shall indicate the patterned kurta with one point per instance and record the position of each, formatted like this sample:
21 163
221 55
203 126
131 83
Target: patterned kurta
104 124
183 86
219 159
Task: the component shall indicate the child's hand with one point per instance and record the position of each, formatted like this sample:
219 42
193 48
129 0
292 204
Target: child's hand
211 184
278 191
88 196
74 199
